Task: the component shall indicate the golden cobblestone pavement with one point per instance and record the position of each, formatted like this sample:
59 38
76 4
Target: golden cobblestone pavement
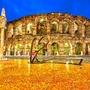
19 75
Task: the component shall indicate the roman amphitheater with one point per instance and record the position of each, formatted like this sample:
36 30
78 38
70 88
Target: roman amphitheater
67 34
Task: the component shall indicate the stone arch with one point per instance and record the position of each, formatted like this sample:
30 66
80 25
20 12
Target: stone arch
87 48
86 28
42 51
27 48
18 28
77 27
78 48
5 50
19 49
54 48
29 27
66 48
65 26
41 23
10 50
54 25
10 30
40 17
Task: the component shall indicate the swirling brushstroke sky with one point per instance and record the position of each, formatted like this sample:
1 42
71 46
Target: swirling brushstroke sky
18 8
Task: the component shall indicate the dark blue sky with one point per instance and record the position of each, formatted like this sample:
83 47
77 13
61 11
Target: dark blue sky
18 8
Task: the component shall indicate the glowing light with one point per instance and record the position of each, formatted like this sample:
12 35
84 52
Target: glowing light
15 46
41 20
67 66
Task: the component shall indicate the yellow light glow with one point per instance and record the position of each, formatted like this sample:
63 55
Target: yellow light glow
67 66
41 20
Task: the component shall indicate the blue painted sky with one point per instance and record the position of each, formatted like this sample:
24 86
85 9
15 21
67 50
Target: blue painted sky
18 8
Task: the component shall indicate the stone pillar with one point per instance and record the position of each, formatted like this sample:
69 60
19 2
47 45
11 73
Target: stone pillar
73 48
80 30
14 33
49 49
61 48
2 43
60 27
23 49
72 29
34 29
23 30
83 30
83 48
48 27
49 39
14 50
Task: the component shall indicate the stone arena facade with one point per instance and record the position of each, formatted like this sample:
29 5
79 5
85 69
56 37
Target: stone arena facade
67 35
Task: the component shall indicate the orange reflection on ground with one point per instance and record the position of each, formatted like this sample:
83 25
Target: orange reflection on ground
19 75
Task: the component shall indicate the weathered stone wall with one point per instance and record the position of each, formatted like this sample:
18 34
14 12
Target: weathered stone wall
59 28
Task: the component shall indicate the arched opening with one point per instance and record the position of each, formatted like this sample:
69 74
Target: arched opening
11 50
86 30
19 49
10 31
41 27
18 29
65 27
78 48
86 49
27 49
66 48
29 29
76 28
54 27
5 50
42 51
54 49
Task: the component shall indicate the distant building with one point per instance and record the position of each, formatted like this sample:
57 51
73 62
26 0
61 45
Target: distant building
67 34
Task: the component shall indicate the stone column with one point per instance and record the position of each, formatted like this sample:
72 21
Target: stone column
49 49
2 43
72 29
49 39
14 33
14 50
23 48
48 27
73 48
83 48
60 27
83 30
80 30
35 29
23 30
61 48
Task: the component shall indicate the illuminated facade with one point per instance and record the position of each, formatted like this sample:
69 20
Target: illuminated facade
67 34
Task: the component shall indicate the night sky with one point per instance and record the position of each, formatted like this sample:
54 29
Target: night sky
18 8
